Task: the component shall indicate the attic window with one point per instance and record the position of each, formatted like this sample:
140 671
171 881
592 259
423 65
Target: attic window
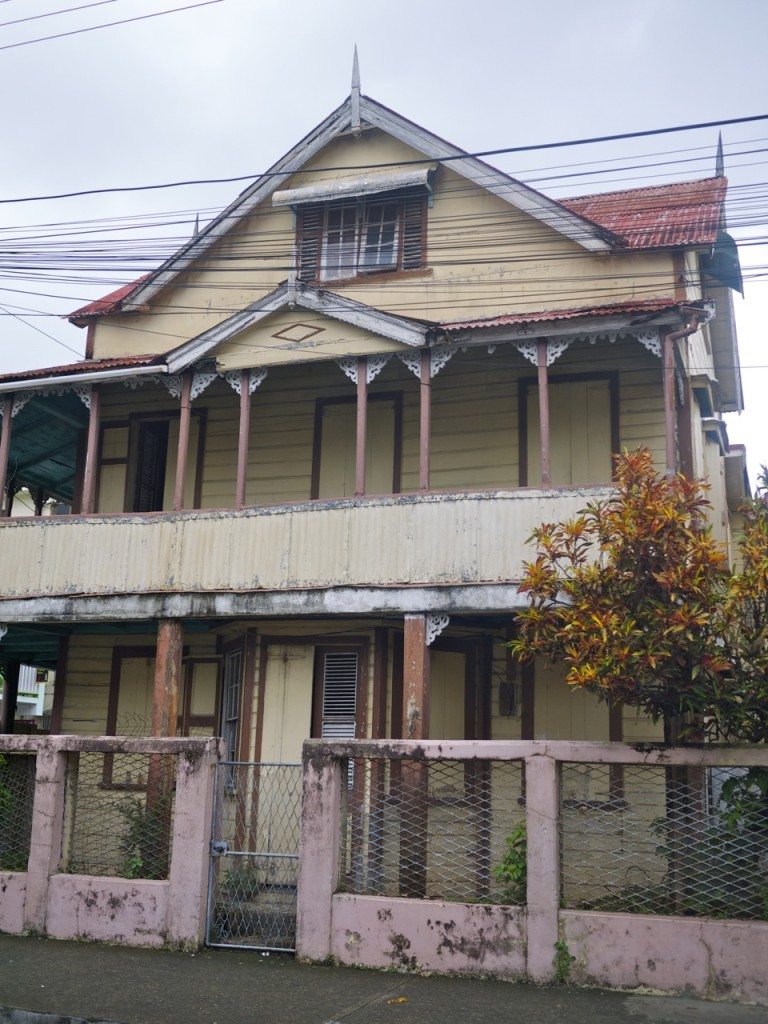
339 241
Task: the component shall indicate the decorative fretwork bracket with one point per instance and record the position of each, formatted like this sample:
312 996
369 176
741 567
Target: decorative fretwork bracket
649 338
375 365
173 383
20 399
349 368
438 358
411 360
200 382
256 377
556 347
83 392
528 350
435 626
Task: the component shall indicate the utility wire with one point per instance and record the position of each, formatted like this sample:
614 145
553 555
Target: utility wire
367 167
110 24
53 14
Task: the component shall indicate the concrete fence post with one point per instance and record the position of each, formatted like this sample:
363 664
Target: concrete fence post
543 862
47 831
321 791
190 846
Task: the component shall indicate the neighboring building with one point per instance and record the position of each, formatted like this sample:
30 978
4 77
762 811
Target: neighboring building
312 444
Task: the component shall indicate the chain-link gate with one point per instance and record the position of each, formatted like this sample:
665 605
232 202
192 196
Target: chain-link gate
254 856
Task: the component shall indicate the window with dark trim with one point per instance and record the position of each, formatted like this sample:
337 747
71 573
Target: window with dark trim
338 241
231 688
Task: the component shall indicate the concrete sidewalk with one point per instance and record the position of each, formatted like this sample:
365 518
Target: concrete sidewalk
130 986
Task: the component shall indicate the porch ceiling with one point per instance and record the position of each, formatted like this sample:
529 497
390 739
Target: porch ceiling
31 646
44 439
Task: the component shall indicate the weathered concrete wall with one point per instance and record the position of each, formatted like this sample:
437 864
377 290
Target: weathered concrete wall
716 959
126 911
429 935
720 959
109 909
13 893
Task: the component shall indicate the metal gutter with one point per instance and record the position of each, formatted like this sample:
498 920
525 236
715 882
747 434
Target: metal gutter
97 377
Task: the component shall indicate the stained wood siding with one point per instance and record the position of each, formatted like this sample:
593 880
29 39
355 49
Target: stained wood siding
89 669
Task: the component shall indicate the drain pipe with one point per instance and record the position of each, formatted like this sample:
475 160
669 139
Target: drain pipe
668 342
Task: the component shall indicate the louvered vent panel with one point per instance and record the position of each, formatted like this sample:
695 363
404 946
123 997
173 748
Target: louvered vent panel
309 234
414 211
339 694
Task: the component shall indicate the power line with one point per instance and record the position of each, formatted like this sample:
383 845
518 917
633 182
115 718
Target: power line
39 330
110 24
53 14
363 167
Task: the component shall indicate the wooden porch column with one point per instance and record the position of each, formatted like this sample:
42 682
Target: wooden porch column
5 448
10 694
361 434
668 371
88 501
425 419
415 679
243 435
414 779
167 684
543 375
181 455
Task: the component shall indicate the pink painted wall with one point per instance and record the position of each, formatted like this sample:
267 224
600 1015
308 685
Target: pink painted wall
131 913
13 893
428 935
715 959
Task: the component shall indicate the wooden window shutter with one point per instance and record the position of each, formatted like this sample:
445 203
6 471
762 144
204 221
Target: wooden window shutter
150 471
414 224
340 671
309 231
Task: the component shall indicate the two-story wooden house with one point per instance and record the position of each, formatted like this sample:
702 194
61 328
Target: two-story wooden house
304 455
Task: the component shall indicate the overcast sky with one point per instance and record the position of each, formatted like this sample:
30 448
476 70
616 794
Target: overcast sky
227 88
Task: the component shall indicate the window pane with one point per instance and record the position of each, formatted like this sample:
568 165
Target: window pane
340 243
381 231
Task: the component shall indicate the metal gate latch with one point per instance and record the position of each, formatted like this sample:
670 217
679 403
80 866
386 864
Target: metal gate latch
219 847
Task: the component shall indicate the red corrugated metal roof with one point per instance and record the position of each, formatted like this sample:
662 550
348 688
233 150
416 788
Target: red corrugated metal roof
544 315
84 366
108 303
684 213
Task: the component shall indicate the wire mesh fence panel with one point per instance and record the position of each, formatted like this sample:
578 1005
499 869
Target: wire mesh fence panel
450 830
254 867
17 794
665 840
120 814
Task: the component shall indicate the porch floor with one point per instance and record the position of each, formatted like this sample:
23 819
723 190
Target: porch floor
133 986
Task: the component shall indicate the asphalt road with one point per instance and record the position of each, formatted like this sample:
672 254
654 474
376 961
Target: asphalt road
72 981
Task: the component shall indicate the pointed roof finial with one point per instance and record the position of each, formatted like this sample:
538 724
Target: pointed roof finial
719 159
354 97
196 232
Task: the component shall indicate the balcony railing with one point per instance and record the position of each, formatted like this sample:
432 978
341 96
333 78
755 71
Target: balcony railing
404 540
